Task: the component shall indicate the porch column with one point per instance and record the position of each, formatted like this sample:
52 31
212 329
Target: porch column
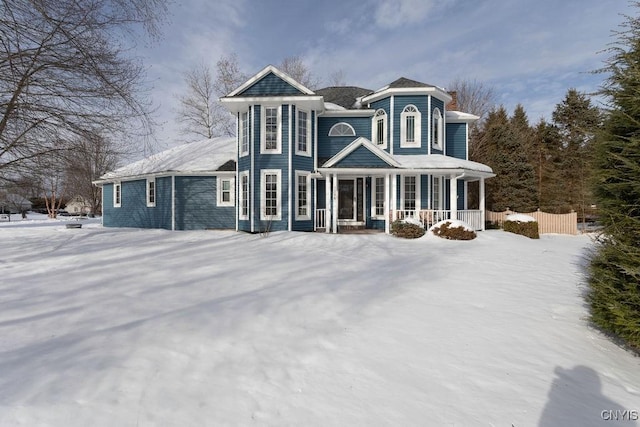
453 196
482 204
387 179
394 196
327 203
334 211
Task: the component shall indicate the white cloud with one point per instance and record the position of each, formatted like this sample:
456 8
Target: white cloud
392 14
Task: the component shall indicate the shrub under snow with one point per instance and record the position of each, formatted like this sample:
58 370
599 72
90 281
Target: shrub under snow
524 225
453 230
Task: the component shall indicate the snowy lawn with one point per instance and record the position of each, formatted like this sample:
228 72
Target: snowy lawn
127 327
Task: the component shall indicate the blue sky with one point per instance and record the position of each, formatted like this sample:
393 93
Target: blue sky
529 51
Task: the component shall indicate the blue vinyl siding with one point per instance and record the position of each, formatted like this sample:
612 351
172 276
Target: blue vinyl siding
321 195
134 211
329 146
456 135
361 157
421 103
461 194
270 85
196 205
425 186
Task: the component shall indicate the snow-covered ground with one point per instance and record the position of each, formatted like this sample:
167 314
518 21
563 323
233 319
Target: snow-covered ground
127 327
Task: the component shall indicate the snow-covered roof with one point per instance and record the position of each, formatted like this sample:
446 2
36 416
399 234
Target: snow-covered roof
439 161
208 155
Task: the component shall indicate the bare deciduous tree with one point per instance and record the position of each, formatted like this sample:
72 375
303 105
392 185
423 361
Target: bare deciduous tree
64 71
295 67
229 76
337 78
473 97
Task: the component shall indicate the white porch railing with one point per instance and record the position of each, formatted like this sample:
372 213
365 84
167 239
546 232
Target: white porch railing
321 219
429 217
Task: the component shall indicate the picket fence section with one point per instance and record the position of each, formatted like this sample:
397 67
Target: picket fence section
547 223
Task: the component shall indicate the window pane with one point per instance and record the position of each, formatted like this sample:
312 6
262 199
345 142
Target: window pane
302 195
245 195
411 136
271 128
379 196
380 131
302 131
409 192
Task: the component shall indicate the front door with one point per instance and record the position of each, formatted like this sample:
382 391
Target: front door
346 199
351 199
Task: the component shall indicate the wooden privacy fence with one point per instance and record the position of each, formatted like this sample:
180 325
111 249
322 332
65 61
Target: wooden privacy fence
547 223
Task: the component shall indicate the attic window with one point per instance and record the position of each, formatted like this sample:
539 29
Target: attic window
342 129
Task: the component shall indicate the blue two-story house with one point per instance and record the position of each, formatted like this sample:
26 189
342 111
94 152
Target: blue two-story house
334 159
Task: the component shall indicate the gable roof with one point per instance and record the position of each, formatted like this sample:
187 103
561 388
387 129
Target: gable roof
201 157
368 146
403 82
405 86
270 69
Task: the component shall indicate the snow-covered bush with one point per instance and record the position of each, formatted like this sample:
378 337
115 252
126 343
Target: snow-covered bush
453 230
524 225
407 229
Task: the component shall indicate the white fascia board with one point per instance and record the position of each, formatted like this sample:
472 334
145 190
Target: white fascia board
271 69
348 113
436 91
162 175
361 141
235 105
460 117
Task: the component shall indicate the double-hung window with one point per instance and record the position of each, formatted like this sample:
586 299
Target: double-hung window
271 132
225 191
270 201
437 132
303 134
117 194
436 194
151 192
380 129
378 202
244 195
244 133
410 193
303 191
410 127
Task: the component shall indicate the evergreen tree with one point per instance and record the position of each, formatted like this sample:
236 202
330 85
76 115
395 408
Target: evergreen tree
615 268
546 158
577 122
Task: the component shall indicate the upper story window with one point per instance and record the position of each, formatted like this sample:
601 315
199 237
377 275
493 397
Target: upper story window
117 194
151 192
244 133
380 129
225 191
271 130
303 134
342 129
410 127
437 133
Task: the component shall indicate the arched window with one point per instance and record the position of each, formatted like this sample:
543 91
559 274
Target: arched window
380 128
410 126
342 129
437 133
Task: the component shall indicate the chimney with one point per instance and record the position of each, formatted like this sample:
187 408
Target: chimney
453 104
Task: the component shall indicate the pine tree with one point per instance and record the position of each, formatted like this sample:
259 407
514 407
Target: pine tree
615 268
545 157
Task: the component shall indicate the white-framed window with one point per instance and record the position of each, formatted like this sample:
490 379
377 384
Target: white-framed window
151 192
244 196
303 192
436 193
270 190
410 192
437 133
117 194
410 126
225 191
303 133
271 130
244 133
342 129
380 128
377 204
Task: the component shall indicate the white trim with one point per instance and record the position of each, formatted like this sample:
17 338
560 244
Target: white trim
376 150
263 189
374 196
437 137
290 167
387 183
385 128
460 117
392 104
241 195
263 130
307 177
348 113
117 194
252 177
417 127
306 152
151 182
220 180
429 125
241 134
386 92
342 124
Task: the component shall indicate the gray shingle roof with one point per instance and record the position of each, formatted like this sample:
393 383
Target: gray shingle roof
344 96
